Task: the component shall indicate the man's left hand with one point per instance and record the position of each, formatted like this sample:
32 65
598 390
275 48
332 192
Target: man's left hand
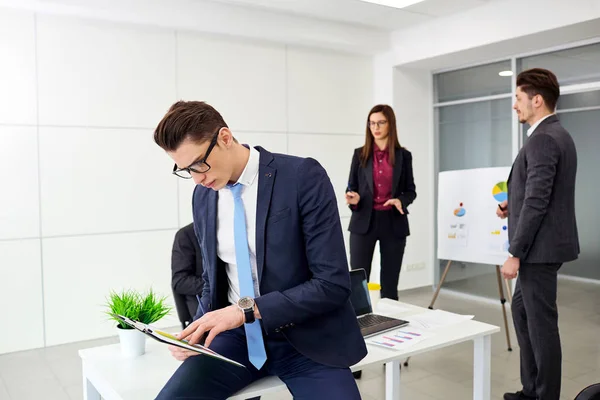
214 323
396 203
510 268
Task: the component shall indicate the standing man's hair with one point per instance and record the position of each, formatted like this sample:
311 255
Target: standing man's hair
540 81
195 120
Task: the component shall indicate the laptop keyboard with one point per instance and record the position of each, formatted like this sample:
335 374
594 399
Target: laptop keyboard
373 323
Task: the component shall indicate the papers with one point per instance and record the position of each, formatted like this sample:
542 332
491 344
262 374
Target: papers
435 319
399 339
167 338
421 327
386 307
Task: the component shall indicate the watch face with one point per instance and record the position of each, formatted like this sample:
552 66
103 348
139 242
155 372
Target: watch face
246 302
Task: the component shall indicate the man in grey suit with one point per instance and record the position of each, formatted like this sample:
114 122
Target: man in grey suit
542 232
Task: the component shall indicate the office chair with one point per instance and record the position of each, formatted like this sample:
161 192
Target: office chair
183 312
591 392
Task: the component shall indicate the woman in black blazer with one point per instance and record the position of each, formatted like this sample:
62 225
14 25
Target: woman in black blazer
380 189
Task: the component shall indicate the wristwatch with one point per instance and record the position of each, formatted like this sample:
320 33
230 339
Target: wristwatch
246 304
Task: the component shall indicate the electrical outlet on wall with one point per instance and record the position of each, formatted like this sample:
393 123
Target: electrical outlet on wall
415 266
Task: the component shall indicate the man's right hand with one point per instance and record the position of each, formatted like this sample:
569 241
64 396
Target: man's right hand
500 213
352 198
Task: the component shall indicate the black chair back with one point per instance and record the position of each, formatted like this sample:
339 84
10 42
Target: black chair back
591 392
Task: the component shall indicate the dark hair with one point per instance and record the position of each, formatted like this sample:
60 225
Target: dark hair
540 81
367 149
187 119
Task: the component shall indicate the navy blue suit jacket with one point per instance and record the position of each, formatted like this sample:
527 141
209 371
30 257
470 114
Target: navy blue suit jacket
301 259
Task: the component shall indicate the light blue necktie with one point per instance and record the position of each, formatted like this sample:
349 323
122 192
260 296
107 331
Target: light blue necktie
254 338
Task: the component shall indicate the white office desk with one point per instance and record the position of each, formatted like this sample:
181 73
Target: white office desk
108 375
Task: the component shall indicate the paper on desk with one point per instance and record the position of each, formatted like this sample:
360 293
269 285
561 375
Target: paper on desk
390 307
436 319
399 339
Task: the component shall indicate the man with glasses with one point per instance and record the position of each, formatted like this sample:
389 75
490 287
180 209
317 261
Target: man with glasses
276 282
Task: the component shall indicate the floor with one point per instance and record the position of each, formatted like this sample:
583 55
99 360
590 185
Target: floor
485 285
55 372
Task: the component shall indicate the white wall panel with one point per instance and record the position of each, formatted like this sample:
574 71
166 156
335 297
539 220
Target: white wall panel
328 92
101 74
104 180
19 202
244 81
17 69
21 295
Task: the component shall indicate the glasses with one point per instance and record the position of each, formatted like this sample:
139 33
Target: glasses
200 166
378 123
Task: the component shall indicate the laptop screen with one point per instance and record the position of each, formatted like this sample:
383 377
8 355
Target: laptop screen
360 292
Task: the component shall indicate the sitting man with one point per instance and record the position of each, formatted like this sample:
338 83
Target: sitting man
186 270
276 280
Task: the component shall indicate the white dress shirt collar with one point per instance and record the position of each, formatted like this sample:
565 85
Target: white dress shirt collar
250 172
534 126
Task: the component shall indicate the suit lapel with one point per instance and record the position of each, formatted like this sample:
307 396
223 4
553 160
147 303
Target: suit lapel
368 171
266 180
210 236
397 170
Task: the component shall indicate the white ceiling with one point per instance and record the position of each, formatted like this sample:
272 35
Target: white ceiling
362 13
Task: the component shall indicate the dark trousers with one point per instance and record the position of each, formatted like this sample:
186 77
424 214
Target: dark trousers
391 248
536 324
204 378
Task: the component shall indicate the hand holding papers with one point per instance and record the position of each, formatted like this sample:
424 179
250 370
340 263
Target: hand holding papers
167 338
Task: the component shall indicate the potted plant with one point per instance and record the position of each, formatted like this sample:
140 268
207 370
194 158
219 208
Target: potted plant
146 308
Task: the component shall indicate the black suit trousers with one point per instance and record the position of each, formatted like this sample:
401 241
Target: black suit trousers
535 316
391 248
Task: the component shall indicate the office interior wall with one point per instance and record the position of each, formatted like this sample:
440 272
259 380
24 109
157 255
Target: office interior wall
88 200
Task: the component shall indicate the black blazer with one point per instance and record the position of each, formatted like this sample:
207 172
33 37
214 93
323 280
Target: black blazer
403 188
541 197
186 269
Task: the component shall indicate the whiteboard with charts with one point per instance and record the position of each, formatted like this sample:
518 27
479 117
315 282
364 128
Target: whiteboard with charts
468 228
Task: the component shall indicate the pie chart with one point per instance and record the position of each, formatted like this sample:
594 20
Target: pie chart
500 192
459 212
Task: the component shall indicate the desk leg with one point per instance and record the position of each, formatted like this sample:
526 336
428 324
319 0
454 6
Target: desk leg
89 390
392 380
482 368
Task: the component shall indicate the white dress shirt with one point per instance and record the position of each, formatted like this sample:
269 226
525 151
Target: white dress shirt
225 241
533 127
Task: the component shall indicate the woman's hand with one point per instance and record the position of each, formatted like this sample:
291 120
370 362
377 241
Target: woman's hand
396 203
352 198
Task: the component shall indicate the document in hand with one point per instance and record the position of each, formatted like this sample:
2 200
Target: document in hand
167 338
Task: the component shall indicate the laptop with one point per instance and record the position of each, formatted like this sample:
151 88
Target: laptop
370 324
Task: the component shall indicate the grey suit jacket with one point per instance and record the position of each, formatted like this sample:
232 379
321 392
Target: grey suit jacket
541 197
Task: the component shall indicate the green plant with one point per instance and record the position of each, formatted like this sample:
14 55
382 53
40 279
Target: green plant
146 308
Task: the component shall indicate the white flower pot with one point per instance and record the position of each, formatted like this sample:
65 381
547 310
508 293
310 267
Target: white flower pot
133 342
